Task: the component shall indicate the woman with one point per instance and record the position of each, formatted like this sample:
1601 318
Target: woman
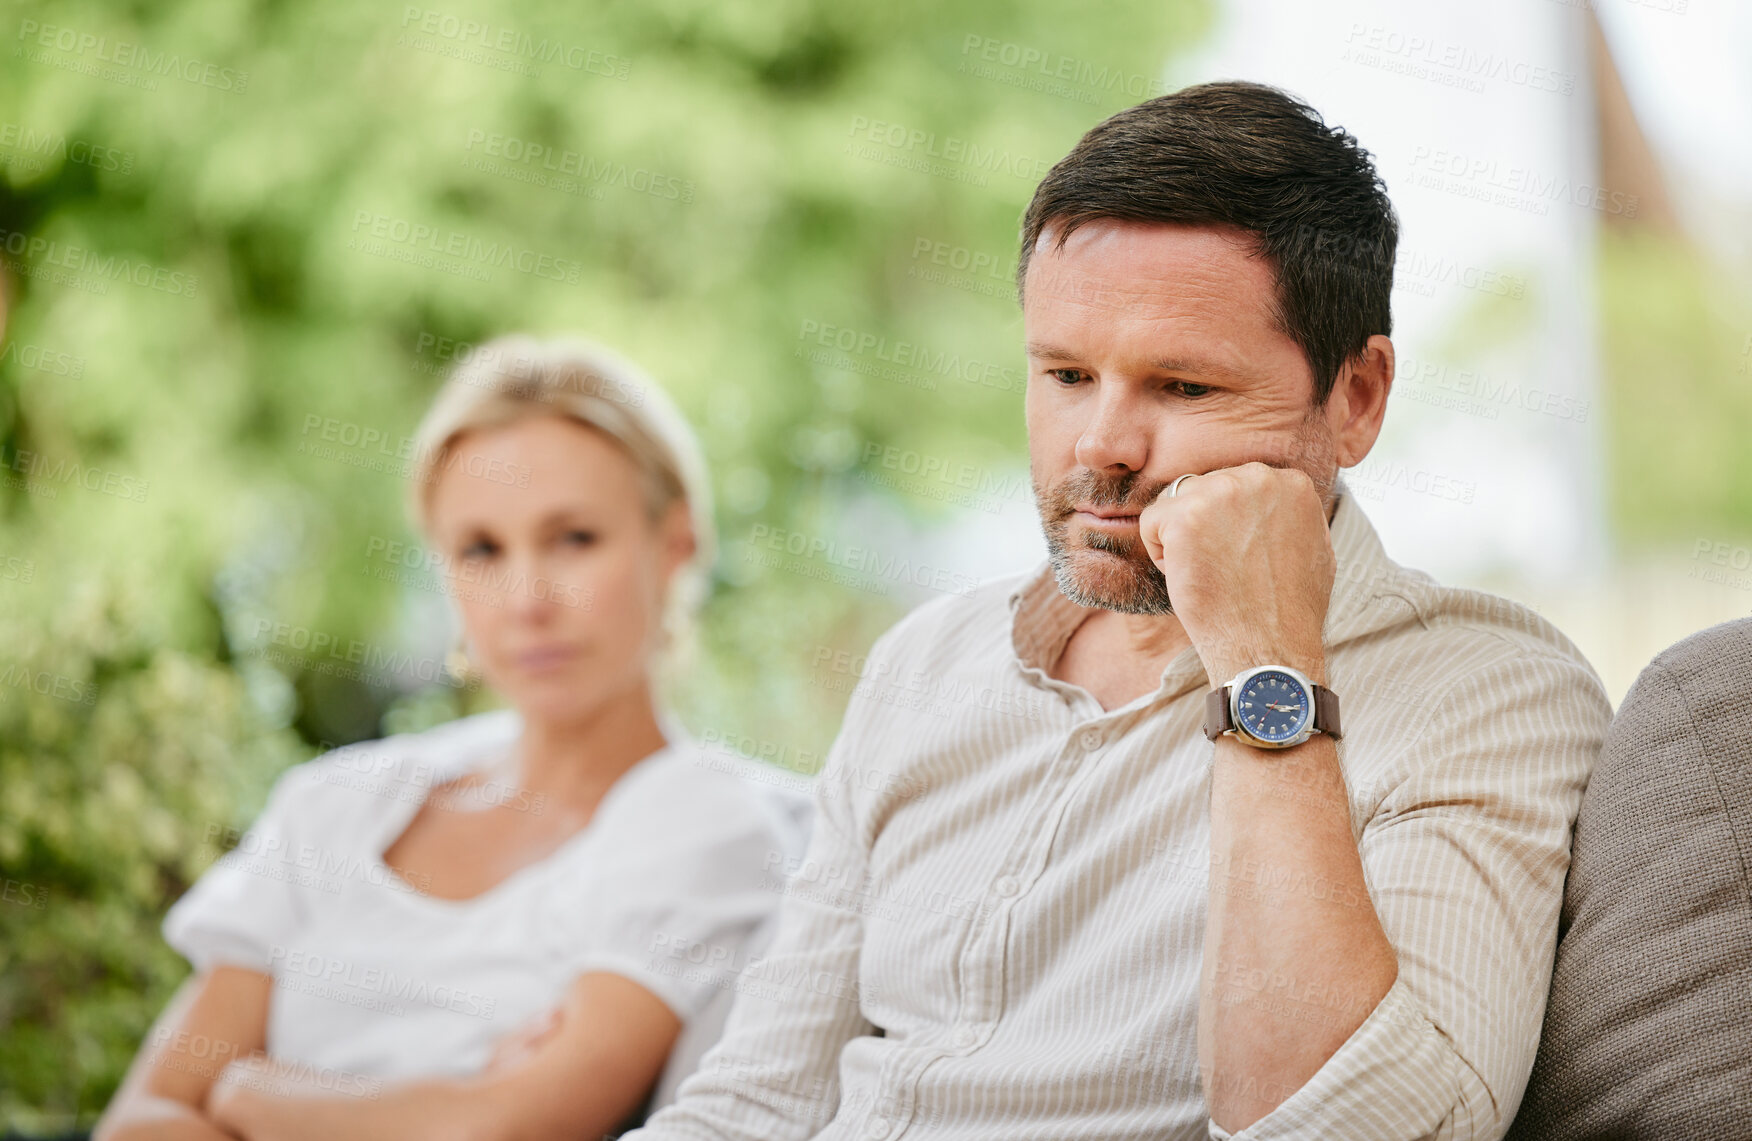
495 928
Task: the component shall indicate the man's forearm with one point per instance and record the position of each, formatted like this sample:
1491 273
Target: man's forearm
1294 955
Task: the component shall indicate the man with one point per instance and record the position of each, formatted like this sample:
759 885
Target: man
1059 890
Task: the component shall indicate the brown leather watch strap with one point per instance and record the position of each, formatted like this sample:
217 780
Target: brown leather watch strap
1216 721
1326 711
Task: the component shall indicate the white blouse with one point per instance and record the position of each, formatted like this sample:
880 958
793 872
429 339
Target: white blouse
373 979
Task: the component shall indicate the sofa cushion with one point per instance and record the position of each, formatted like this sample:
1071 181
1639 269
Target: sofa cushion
1648 1031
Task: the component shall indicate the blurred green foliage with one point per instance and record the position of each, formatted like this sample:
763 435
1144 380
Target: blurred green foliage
1677 332
223 327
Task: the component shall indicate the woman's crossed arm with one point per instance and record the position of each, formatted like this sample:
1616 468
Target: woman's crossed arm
200 1075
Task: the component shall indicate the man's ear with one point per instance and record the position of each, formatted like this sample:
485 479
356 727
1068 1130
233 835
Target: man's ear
1358 403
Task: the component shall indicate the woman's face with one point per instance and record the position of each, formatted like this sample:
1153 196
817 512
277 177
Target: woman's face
554 562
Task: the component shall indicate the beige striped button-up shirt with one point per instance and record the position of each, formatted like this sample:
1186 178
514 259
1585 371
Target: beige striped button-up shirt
998 928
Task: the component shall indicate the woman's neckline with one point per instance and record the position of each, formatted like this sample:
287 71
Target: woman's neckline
477 760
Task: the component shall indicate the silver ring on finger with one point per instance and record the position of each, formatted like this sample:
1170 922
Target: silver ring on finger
1174 488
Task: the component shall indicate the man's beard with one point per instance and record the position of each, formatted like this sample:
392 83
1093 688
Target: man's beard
1124 578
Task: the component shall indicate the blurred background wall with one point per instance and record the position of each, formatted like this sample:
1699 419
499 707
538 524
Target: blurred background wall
242 242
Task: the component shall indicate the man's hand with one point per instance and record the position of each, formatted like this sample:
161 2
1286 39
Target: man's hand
1247 557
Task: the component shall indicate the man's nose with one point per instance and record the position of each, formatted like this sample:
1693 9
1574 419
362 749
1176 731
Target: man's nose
1116 433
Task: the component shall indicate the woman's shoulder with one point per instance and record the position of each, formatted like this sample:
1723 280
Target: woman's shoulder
691 793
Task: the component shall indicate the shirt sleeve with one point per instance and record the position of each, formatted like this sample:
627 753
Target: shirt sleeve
774 1074
1465 860
684 899
246 907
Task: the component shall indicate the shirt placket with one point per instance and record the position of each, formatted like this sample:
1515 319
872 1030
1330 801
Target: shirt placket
981 974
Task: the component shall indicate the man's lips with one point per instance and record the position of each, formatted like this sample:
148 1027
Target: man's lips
1107 515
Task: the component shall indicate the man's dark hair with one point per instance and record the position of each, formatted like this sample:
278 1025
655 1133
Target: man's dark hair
1253 157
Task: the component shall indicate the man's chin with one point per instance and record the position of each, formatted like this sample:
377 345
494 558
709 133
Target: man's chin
1110 581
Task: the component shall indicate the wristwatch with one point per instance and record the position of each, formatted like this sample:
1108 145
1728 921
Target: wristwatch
1271 707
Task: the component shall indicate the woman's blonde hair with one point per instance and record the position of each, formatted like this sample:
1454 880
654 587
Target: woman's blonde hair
514 377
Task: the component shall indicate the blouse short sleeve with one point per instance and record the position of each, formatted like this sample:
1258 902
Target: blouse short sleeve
253 899
687 874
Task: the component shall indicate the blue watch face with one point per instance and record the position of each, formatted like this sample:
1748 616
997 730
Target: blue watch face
1273 706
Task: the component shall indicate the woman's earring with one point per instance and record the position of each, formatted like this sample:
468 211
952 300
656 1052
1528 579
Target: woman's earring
458 663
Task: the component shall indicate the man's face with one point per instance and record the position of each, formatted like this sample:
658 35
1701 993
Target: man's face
1152 352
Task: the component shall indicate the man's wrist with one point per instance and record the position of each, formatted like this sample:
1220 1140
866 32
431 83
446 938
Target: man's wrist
1221 669
1272 705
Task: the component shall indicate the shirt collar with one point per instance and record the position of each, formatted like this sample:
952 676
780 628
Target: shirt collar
1367 595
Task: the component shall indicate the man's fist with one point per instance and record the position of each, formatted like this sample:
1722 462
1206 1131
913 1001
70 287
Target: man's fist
1247 558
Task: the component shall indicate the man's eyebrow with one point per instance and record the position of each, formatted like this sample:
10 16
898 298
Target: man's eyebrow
1200 366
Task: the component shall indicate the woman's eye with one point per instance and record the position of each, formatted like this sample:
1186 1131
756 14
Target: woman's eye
581 538
1067 376
479 549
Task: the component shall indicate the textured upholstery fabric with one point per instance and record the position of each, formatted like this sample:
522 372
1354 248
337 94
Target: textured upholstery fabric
1648 1032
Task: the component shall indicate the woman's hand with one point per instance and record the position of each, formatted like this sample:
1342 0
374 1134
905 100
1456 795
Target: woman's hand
243 1090
523 1043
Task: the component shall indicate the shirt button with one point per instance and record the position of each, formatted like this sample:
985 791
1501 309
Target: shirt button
878 1127
1091 738
1006 885
965 1036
